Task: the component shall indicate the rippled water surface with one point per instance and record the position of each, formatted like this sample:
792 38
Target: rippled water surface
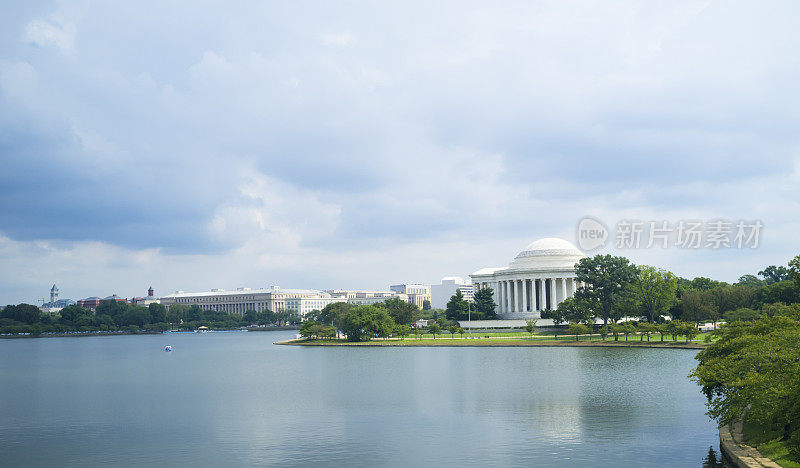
237 399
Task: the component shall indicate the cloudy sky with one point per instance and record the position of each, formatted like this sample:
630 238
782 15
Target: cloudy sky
190 145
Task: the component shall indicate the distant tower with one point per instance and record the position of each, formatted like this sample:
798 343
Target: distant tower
150 292
53 294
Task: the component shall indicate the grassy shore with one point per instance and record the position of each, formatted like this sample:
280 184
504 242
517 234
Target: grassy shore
508 339
768 443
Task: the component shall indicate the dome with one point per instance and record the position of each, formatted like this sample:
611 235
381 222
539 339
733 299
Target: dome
547 253
550 246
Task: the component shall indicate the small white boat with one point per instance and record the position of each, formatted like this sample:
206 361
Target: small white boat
167 349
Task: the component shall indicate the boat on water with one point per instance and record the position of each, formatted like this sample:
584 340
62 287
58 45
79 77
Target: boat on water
168 349
201 329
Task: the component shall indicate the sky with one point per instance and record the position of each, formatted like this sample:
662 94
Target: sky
194 145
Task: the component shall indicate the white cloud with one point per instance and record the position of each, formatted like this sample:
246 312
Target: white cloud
341 39
47 34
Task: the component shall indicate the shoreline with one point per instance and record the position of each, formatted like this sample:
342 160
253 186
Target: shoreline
503 342
142 332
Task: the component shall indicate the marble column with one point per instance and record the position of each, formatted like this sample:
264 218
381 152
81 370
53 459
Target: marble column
541 294
524 295
508 296
563 288
553 303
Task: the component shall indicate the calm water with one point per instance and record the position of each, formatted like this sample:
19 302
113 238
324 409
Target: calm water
237 399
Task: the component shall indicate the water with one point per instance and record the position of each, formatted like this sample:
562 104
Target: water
237 399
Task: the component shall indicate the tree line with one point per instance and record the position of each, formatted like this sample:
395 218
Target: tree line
615 288
111 316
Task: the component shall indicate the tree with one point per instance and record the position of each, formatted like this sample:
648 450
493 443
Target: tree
310 328
457 307
362 322
655 290
626 329
749 280
603 331
775 274
25 313
605 277
402 312
402 331
754 367
434 329
461 332
741 315
614 329
574 309
673 328
250 316
484 304
689 331
646 329
453 329
698 306
329 313
530 326
71 313
577 329
794 270
176 313
158 313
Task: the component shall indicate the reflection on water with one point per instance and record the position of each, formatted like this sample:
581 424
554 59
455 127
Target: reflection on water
714 459
237 399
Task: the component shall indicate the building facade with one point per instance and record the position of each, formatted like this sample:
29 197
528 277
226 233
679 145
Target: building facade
539 278
417 293
441 293
241 300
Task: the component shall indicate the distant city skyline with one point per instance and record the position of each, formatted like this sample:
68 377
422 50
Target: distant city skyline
322 146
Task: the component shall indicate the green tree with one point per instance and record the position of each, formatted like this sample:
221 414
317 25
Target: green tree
749 280
689 331
360 323
25 313
484 304
530 326
434 329
655 290
753 366
794 270
402 331
646 329
402 312
574 309
697 306
457 307
605 277
577 329
250 316
158 313
626 329
741 315
775 274
461 332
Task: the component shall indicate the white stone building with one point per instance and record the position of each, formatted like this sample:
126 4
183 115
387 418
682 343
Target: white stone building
303 305
441 293
539 278
417 293
242 299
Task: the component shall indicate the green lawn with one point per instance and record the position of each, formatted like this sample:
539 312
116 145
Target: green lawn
509 339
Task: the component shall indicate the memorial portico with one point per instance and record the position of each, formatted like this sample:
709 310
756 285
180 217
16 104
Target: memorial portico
539 278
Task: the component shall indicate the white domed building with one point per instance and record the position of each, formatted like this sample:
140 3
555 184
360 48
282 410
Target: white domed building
539 278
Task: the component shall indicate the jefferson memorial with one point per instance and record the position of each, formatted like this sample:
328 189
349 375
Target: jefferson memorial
539 278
